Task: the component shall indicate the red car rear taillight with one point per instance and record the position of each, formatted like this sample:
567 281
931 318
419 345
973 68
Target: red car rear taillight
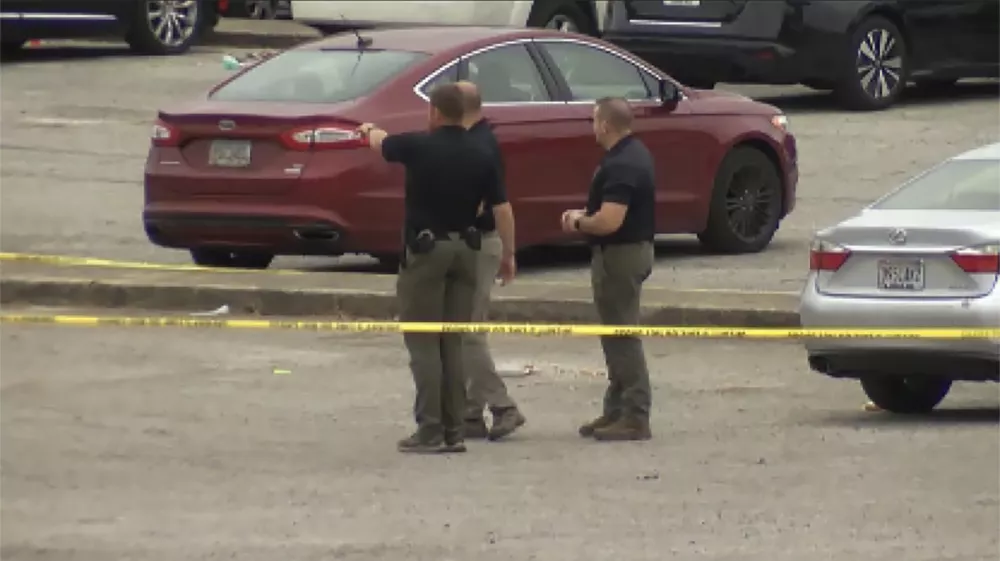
164 134
323 137
978 259
825 256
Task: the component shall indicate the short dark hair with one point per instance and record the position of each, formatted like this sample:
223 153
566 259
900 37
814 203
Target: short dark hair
449 101
615 111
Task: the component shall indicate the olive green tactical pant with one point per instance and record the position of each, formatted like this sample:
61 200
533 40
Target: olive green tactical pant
617 273
483 384
438 286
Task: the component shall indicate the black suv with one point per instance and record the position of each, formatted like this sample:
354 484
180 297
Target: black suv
864 50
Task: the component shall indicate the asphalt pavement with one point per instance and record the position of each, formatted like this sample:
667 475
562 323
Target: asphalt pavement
76 124
165 444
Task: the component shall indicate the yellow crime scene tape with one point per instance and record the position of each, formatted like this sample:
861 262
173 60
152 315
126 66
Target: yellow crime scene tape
506 328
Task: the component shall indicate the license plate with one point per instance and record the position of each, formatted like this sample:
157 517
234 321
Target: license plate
686 3
230 153
901 275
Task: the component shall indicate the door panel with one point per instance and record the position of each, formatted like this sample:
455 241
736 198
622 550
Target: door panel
684 10
590 73
550 156
949 34
534 132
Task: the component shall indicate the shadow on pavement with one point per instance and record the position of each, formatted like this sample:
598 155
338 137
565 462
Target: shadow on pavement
913 97
556 258
938 417
66 54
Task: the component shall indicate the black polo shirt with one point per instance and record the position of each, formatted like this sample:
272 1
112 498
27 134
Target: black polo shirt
447 177
482 132
626 176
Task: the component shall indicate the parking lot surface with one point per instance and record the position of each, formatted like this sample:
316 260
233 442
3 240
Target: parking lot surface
76 125
165 444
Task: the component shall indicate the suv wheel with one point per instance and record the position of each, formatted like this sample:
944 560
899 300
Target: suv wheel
906 394
746 203
563 15
224 258
876 72
166 27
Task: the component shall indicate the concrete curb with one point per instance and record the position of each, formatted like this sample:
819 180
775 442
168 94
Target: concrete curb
123 294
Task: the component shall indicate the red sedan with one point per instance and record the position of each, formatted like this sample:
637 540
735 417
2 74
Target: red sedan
267 163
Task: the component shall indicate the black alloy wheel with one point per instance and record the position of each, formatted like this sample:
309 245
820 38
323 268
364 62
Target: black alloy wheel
877 74
906 394
231 259
746 203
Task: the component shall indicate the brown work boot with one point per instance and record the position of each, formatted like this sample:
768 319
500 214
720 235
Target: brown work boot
421 444
598 423
505 422
453 443
476 428
626 428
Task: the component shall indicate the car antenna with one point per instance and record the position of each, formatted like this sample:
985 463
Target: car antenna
363 42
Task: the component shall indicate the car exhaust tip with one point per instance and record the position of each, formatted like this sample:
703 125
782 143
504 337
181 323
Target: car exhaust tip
326 235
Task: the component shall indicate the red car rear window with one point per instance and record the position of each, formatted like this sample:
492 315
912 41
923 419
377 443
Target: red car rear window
325 76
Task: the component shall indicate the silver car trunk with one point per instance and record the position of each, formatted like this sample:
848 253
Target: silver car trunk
908 254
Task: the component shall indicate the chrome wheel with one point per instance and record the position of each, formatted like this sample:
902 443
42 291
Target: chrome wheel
562 23
172 22
880 64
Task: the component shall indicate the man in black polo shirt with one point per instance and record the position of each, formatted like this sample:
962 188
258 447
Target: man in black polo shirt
620 222
448 179
484 385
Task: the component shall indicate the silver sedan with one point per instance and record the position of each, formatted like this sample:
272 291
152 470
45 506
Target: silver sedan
925 255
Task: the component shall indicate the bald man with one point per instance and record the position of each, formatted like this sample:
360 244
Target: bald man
619 223
484 387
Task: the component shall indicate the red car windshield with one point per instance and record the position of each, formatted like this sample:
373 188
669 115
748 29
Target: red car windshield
320 76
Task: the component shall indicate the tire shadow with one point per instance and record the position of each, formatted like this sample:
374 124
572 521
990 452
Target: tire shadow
819 101
61 53
982 415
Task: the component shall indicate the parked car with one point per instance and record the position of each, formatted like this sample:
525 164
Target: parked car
258 9
865 51
581 16
156 27
268 162
926 255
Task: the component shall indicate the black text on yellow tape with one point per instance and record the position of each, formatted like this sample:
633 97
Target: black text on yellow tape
540 330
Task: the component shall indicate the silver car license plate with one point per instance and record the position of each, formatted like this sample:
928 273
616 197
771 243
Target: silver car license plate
230 153
901 274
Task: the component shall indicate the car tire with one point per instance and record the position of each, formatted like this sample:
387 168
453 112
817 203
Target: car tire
145 35
224 258
748 191
873 77
906 395
564 15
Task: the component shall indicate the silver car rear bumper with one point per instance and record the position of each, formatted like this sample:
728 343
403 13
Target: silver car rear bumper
972 359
